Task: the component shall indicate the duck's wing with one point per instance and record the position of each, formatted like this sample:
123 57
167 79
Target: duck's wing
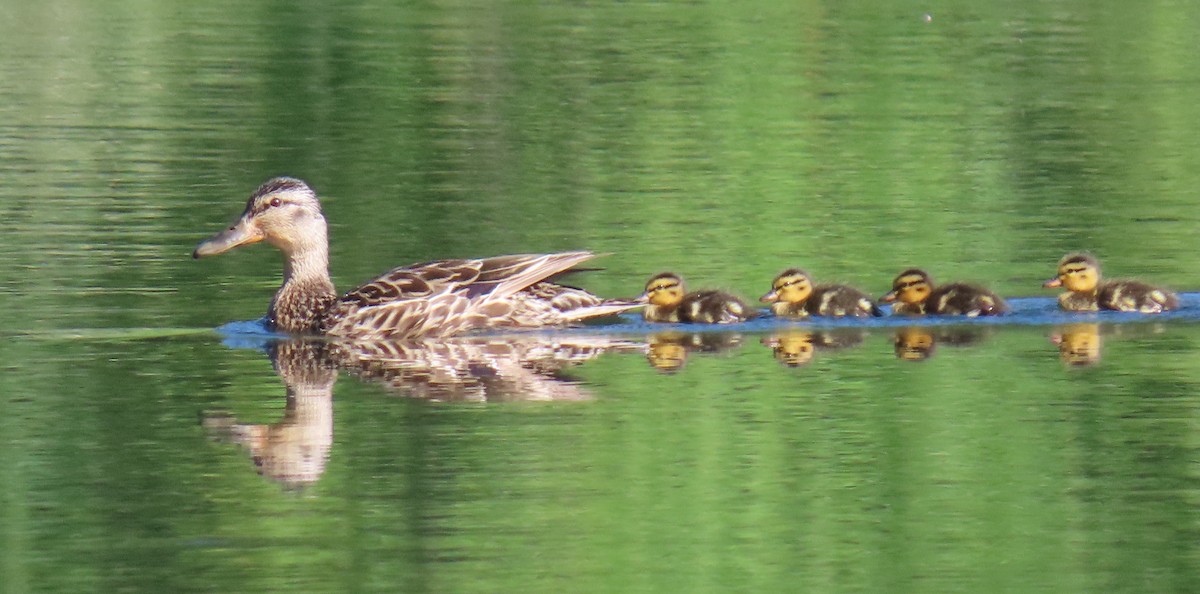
443 297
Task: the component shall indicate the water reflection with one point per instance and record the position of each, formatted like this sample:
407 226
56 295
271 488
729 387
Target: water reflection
1081 344
918 343
294 449
1078 344
796 347
480 369
669 351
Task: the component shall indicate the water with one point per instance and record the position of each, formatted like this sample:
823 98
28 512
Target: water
149 445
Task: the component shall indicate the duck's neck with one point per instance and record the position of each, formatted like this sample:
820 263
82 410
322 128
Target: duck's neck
306 292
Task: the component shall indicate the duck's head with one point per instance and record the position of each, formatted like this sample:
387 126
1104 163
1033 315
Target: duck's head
284 212
1079 273
791 286
664 289
912 286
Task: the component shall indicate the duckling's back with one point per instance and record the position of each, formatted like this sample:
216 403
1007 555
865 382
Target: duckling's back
964 299
713 307
840 300
1128 295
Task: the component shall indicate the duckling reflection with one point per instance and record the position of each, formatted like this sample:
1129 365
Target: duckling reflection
669 351
796 347
294 449
1078 344
918 343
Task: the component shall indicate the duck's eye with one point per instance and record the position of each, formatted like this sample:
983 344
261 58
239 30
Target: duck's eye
276 202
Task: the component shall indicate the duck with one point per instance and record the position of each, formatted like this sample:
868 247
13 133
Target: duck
793 295
1080 274
428 299
668 301
916 294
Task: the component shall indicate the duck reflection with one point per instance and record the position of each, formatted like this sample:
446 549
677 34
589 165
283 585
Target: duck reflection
795 347
294 449
669 351
918 343
480 369
1078 344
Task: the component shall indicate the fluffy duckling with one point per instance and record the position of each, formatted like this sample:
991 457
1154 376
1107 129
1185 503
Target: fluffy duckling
794 296
917 295
668 301
1080 274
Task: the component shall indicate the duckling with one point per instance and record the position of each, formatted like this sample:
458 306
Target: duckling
916 293
668 301
794 296
1080 274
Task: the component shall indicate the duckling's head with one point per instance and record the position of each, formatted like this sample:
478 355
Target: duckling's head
1078 344
912 286
914 344
284 212
792 349
1079 273
666 352
791 286
664 289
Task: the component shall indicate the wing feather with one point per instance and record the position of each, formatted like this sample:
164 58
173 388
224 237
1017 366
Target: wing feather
449 296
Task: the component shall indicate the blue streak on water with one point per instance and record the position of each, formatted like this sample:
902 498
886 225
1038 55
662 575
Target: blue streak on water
1026 311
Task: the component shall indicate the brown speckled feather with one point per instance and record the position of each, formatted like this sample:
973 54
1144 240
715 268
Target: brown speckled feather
453 296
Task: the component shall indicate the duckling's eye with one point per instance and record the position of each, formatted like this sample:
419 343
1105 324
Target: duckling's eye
276 202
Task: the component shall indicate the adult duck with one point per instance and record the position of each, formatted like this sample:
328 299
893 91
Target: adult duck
421 300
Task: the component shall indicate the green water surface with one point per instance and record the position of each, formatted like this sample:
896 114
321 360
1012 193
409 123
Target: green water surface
722 141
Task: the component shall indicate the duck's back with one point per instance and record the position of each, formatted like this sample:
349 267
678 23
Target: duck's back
964 299
1129 295
449 297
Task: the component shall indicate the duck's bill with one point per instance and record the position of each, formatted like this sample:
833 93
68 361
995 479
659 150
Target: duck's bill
1053 283
771 297
237 235
888 297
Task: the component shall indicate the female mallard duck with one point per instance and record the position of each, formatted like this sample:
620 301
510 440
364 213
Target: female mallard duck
917 295
1080 274
794 296
429 299
668 301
